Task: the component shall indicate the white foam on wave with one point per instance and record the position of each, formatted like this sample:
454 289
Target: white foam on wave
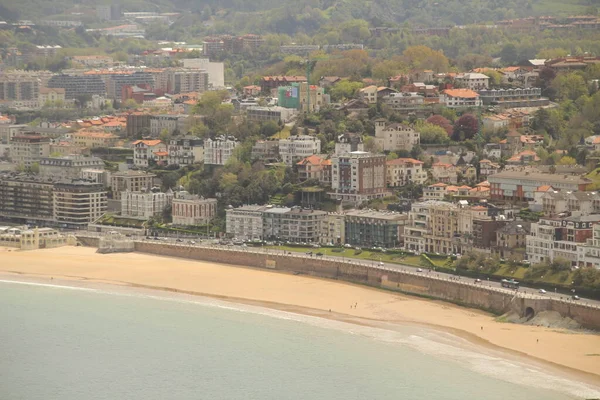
438 344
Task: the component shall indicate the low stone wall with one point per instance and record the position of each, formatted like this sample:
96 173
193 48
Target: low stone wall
459 292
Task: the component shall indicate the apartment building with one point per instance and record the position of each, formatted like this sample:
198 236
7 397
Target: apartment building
513 97
26 197
68 167
186 80
246 222
511 241
588 253
78 85
405 102
145 151
358 176
116 81
552 238
473 81
215 70
9 131
295 148
460 98
366 228
185 151
293 224
77 203
395 137
333 229
173 123
440 227
69 203
265 150
190 209
368 94
138 124
521 185
19 85
143 204
403 171
276 114
91 139
133 181
29 148
554 203
217 151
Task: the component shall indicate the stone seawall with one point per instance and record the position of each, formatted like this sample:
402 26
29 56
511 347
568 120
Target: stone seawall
459 292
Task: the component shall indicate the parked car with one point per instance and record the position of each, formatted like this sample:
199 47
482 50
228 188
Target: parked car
319 254
541 291
575 297
419 270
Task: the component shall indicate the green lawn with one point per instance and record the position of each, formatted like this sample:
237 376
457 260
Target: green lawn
365 255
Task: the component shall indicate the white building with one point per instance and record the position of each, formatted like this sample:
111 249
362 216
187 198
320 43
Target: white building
189 209
68 167
473 81
295 148
245 223
395 137
145 150
218 151
144 204
460 98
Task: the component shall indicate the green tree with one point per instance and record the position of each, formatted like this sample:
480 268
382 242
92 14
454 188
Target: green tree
570 85
344 89
432 134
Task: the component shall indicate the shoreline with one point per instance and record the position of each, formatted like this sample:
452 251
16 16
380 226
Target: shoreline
557 351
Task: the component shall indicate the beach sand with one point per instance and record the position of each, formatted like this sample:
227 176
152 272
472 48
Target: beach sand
568 352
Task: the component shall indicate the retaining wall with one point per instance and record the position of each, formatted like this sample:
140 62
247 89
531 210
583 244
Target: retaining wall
460 292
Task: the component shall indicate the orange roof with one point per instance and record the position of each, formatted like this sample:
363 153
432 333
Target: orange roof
511 69
439 184
161 153
442 165
479 189
464 187
478 208
503 141
462 93
483 184
451 189
486 161
96 134
148 142
402 161
544 188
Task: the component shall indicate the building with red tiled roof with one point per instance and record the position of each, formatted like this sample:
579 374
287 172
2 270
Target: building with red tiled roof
145 151
458 98
445 173
403 171
314 167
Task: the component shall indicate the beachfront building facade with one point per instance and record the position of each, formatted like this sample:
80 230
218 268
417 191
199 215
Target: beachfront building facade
190 209
366 228
246 222
292 224
143 204
77 203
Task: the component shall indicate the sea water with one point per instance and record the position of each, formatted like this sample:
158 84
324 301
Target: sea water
73 343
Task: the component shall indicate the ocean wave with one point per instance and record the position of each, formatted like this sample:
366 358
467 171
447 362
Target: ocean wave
438 344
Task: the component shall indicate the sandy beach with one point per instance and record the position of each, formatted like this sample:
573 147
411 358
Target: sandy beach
571 353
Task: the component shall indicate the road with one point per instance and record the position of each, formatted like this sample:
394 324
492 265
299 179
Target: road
523 291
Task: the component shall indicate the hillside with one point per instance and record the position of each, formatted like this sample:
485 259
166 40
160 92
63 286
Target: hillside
307 16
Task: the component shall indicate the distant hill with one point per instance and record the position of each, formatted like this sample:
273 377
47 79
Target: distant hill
292 16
